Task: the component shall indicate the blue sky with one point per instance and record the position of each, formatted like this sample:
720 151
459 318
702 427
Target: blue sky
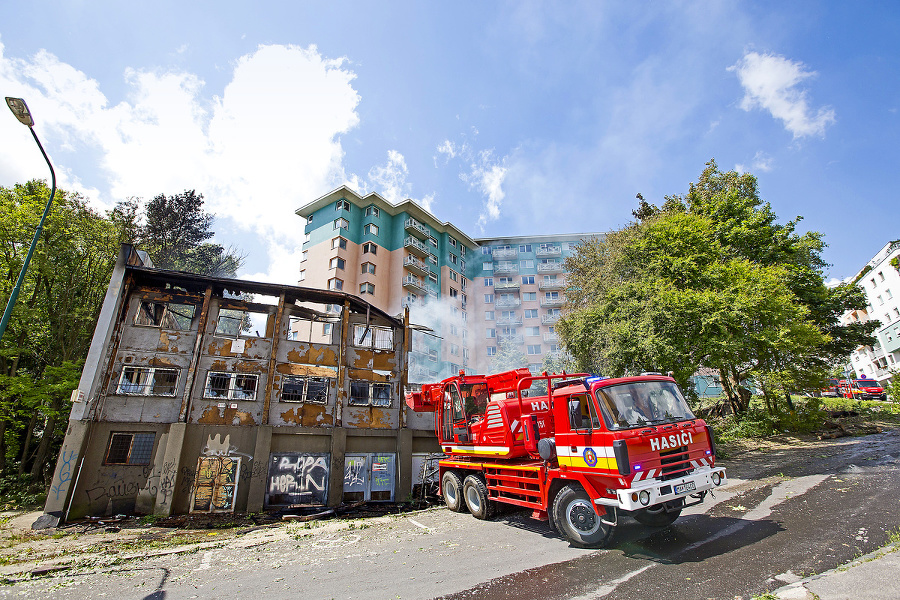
505 118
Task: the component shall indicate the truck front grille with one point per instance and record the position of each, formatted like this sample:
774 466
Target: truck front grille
675 463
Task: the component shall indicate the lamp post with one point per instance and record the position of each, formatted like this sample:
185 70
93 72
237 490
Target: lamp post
20 109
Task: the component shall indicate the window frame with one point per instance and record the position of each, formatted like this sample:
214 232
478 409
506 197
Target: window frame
367 288
131 447
337 262
146 382
373 211
339 242
370 229
341 223
234 392
370 248
303 396
336 284
163 315
342 204
356 399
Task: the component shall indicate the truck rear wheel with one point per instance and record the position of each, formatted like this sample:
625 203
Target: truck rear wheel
656 516
476 494
575 517
451 488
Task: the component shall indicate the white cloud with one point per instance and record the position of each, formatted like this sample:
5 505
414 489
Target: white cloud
390 179
269 144
761 162
771 83
485 174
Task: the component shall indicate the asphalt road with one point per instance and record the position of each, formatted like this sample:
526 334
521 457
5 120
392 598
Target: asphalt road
784 516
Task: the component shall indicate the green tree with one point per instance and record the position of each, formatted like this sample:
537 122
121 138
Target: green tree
509 356
175 231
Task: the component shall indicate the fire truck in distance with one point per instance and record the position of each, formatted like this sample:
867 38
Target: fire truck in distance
583 456
862 389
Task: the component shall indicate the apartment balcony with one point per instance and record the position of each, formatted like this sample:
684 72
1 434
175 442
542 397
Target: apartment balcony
417 229
431 291
416 266
414 284
507 302
509 321
511 338
551 267
506 267
416 247
553 284
549 319
551 337
500 254
505 286
548 252
553 302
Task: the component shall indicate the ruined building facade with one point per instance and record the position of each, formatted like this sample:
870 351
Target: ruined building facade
202 394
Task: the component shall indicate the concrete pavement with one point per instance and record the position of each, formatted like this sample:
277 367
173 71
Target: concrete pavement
873 576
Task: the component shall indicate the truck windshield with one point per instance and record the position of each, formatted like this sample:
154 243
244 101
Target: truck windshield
642 403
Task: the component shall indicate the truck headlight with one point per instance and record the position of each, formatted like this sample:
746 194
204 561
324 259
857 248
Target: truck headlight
645 497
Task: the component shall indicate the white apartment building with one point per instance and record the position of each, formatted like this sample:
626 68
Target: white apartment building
880 279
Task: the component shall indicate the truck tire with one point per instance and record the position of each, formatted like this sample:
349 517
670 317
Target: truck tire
476 494
656 516
575 517
451 488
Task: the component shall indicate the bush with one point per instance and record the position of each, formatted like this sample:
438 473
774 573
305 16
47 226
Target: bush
18 492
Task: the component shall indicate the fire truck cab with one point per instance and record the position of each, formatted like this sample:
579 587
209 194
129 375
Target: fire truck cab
583 455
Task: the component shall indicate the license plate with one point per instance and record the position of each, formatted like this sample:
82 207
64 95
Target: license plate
689 486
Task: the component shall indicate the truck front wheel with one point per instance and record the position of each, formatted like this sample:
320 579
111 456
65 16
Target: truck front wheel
451 487
476 494
576 518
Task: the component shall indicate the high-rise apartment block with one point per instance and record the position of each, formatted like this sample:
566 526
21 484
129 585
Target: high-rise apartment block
470 297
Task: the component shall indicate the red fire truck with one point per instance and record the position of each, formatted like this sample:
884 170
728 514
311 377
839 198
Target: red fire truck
862 389
583 456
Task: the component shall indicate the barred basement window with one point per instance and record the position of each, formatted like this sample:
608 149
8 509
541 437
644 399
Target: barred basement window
165 315
148 381
129 449
305 389
381 338
364 393
230 386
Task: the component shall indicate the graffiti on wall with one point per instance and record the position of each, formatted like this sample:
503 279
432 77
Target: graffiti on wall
65 472
216 484
369 477
297 478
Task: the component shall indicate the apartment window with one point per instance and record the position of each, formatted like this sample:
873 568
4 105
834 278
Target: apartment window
433 242
873 282
432 276
367 288
336 263
489 282
372 211
454 330
303 275
488 315
897 313
380 338
490 333
454 349
486 250
339 242
488 266
305 389
554 348
528 280
524 247
531 313
305 238
462 250
309 219
371 229
454 276
492 350
465 318
342 224
370 248
462 265
432 259
165 315
129 449
463 283
551 295
453 259
464 300
536 349
335 284
505 280
532 331
367 267
881 275
529 296
888 294
452 241
880 300
364 393
231 386
454 292
527 264
508 314
342 205
327 328
488 298
241 323
553 312
148 381
304 255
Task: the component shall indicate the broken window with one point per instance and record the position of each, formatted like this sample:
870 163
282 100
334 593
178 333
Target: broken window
148 381
301 329
241 323
230 386
305 389
129 449
381 338
364 393
165 315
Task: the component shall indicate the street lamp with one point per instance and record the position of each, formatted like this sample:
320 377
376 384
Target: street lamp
20 109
